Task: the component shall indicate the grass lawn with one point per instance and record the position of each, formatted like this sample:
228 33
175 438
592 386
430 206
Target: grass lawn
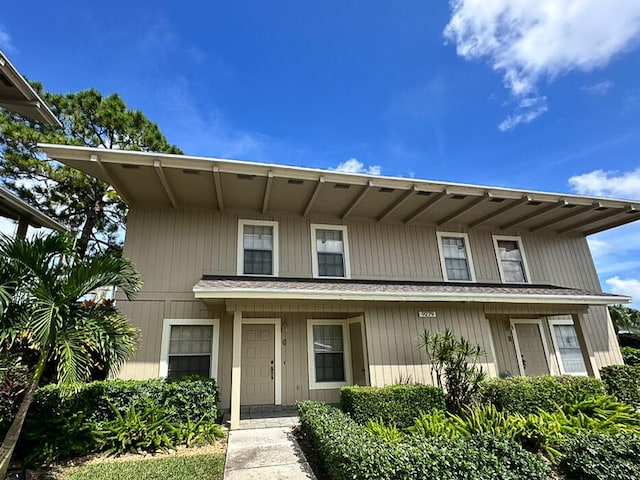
208 466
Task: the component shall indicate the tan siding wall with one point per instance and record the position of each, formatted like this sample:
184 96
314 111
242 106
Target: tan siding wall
174 248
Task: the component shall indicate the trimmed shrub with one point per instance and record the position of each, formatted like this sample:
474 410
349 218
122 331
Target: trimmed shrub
630 355
597 456
526 395
623 381
60 426
396 405
348 450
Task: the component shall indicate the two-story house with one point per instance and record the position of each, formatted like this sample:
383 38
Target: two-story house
286 283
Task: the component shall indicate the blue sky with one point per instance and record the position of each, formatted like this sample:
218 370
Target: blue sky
535 94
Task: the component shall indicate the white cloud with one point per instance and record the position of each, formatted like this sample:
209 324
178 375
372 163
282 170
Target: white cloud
528 110
608 184
5 40
600 88
353 165
625 286
527 40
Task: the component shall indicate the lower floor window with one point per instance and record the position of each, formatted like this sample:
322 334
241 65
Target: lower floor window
188 348
568 349
327 355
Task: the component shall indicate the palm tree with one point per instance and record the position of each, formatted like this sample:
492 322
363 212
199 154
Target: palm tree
42 287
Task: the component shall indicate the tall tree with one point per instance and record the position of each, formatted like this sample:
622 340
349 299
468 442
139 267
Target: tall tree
89 206
45 281
623 316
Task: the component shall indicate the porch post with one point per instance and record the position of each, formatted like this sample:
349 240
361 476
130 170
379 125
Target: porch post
585 345
236 369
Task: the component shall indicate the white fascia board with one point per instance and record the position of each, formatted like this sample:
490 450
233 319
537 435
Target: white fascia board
252 293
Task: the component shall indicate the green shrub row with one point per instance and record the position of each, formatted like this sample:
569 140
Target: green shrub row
348 450
623 381
630 355
597 456
117 415
193 396
527 395
398 405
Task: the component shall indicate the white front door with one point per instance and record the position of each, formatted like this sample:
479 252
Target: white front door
258 365
531 348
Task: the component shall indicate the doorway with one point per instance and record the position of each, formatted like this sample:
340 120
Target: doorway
531 347
258 365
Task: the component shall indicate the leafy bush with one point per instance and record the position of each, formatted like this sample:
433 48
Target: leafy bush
61 425
454 361
396 405
198 434
526 395
623 381
597 456
348 450
389 433
143 428
58 438
603 413
630 355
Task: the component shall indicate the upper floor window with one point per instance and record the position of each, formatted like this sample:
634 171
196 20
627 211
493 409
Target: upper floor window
257 247
511 260
455 257
189 347
330 251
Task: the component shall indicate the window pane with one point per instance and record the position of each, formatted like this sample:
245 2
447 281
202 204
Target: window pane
330 367
511 260
190 349
455 258
258 249
569 348
191 339
179 366
328 347
330 251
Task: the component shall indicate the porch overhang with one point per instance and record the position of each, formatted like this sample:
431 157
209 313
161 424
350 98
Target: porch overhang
269 288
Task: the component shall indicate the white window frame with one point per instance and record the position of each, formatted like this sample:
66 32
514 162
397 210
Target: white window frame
314 250
556 347
313 385
443 263
240 255
166 337
522 254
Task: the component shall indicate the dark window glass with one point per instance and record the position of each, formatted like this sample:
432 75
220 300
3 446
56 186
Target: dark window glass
328 347
330 249
258 249
190 350
454 252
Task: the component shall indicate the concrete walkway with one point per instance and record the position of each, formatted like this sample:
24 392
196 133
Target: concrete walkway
265 454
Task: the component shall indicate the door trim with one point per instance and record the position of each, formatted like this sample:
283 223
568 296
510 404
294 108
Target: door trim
277 323
516 342
365 353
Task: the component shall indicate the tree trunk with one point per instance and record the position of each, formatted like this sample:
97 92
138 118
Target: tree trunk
11 438
87 228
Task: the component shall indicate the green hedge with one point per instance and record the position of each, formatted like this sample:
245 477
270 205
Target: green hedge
630 355
623 381
596 456
60 426
398 405
347 450
195 397
528 394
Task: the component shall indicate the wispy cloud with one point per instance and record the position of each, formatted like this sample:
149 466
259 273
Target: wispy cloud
5 40
608 184
600 88
625 286
353 165
529 40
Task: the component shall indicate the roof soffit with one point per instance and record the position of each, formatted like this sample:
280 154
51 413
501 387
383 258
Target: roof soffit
183 181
